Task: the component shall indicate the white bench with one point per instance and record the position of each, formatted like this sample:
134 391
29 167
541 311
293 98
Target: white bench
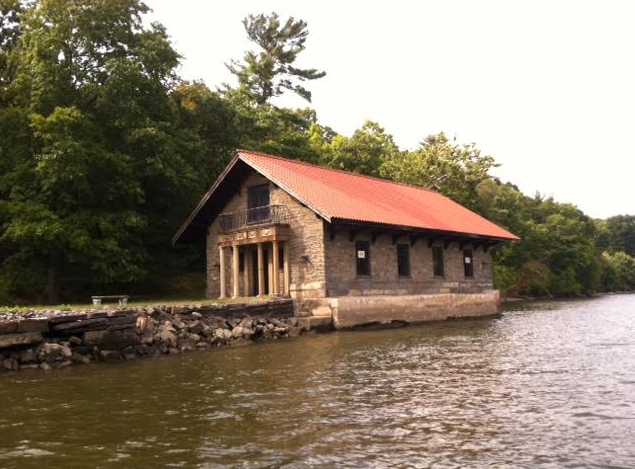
122 299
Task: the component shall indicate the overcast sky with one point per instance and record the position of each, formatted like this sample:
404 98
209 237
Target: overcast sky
546 87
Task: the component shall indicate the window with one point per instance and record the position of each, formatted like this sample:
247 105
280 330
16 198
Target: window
258 204
362 256
468 263
403 260
437 261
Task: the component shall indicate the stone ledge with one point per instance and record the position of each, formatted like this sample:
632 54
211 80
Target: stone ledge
60 339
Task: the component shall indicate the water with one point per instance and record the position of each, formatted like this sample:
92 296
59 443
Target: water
551 384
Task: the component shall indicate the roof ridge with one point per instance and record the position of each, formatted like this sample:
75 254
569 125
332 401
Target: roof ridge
349 173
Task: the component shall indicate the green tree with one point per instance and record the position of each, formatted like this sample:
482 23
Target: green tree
617 234
10 30
618 272
364 152
444 165
102 173
271 71
214 118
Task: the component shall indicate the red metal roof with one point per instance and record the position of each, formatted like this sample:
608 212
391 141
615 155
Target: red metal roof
352 197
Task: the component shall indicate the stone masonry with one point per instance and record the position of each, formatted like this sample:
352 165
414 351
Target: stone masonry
306 246
342 280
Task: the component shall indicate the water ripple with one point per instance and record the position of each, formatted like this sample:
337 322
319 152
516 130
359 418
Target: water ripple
551 384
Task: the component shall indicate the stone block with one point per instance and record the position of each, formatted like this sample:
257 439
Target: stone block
8 327
82 326
33 325
62 318
10 340
111 339
319 323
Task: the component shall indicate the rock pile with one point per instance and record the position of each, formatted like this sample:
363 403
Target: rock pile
47 340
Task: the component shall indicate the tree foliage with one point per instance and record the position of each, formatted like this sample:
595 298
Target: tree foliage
271 71
365 152
99 171
444 165
104 150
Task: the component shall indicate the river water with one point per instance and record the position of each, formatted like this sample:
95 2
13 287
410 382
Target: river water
550 384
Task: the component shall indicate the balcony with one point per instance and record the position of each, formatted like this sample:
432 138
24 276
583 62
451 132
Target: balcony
253 218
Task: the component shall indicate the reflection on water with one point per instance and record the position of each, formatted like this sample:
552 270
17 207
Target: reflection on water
550 384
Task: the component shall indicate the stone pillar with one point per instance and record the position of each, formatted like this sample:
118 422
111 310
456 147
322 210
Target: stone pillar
287 267
276 267
270 270
261 271
247 272
221 256
235 259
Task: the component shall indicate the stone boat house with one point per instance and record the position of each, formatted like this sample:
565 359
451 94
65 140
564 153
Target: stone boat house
347 248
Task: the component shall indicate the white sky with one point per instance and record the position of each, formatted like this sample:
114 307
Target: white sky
546 87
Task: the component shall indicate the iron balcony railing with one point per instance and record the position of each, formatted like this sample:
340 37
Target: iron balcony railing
266 215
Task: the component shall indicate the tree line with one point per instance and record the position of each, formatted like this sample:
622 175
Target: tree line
104 150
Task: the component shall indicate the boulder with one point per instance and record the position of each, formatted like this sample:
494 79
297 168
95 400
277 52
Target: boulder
10 364
246 322
109 356
28 355
74 340
51 352
81 358
167 337
222 333
195 327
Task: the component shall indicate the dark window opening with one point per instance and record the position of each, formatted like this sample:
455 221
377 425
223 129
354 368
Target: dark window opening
241 261
280 257
362 256
403 260
437 261
258 204
468 263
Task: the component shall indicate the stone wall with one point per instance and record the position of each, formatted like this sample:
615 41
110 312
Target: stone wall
306 247
342 280
350 312
54 339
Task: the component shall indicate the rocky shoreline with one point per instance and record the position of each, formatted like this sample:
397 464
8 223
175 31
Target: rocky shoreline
55 339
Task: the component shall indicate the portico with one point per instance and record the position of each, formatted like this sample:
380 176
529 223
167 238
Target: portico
261 254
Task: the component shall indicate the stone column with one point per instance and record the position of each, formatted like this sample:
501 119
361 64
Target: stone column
270 270
247 272
287 267
276 267
221 256
235 259
261 271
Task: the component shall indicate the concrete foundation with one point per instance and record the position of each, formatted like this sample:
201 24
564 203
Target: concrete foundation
352 311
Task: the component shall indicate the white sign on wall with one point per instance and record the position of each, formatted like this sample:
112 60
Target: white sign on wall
468 260
361 254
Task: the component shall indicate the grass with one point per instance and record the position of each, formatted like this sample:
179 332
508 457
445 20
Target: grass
131 304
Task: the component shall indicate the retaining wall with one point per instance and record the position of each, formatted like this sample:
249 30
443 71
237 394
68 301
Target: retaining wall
352 311
56 339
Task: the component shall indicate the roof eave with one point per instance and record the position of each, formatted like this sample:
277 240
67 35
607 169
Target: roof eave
204 199
432 231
